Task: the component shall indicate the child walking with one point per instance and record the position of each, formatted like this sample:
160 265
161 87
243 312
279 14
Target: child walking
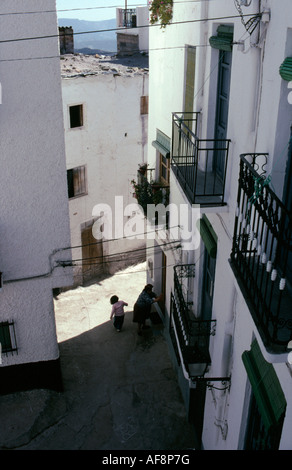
117 312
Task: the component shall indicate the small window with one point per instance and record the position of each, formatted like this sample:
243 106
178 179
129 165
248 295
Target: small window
7 338
144 105
76 181
76 116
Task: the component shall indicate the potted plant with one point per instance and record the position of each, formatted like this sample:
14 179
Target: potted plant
146 193
143 168
143 193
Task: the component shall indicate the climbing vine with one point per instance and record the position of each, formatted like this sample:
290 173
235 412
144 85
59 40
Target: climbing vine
160 11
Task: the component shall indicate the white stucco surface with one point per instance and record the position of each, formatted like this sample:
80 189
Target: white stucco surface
34 206
111 143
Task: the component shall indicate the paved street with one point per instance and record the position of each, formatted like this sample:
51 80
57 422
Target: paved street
120 390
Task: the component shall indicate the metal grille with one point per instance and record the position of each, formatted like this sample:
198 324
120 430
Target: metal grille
7 338
193 333
195 162
261 252
129 18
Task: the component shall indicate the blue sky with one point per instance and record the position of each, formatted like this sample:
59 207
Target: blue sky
106 8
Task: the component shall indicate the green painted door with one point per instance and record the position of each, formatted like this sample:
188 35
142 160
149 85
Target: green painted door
222 106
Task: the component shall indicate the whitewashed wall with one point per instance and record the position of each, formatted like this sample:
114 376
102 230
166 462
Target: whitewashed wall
142 21
34 204
112 143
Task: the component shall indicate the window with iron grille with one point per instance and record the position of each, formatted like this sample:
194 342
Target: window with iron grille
76 181
7 338
127 18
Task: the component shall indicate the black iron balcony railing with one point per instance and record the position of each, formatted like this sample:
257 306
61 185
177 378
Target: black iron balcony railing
198 164
193 334
129 18
262 253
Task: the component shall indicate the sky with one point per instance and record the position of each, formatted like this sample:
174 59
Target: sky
99 9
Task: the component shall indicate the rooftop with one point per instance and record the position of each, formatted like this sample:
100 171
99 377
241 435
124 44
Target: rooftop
81 65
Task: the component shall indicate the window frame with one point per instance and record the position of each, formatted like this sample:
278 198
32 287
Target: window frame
164 166
144 105
81 116
7 332
78 183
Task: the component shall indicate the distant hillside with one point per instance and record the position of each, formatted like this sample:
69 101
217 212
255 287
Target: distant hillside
102 42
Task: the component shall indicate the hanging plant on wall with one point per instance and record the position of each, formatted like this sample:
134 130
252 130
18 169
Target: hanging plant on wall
160 11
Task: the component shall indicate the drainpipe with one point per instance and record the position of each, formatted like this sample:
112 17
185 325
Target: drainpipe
220 420
261 46
228 336
144 125
204 40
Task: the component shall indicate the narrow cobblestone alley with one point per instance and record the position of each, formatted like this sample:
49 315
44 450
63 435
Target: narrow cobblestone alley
120 389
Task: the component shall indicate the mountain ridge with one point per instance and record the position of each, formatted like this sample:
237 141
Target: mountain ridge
104 40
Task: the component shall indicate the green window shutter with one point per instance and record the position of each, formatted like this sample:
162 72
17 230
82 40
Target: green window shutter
208 235
224 38
190 80
162 143
285 69
265 385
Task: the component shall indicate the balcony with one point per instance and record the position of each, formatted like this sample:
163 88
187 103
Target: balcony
192 333
127 18
261 254
198 164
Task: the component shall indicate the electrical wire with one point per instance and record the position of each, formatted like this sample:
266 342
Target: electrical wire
68 9
68 263
49 36
109 53
93 8
124 252
114 239
144 270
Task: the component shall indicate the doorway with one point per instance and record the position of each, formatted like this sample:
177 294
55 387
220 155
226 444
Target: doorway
222 106
208 285
92 254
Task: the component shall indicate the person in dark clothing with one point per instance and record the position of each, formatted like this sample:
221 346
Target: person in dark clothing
143 305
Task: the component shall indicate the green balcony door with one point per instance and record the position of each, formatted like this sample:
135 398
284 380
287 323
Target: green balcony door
208 286
209 239
222 105
190 79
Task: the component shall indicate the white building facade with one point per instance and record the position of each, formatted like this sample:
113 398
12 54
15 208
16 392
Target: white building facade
221 130
106 119
35 230
134 36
